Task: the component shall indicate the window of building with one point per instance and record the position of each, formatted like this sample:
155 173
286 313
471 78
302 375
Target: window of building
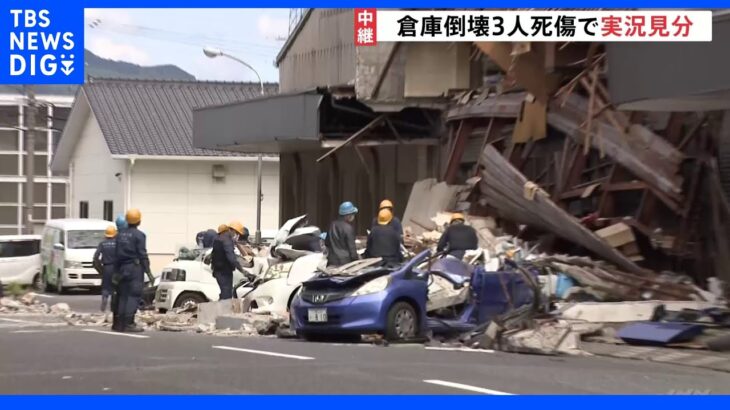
39 213
41 142
8 140
8 215
84 209
109 210
9 116
9 164
40 165
40 193
9 192
8 231
58 212
59 118
58 194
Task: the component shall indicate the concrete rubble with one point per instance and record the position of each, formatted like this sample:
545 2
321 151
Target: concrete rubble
215 318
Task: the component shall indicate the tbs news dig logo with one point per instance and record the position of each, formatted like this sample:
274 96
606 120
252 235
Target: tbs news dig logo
38 48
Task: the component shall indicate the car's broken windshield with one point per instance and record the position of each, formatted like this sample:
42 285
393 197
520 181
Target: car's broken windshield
84 239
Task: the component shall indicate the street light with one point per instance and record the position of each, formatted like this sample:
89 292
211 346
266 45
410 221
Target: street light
213 53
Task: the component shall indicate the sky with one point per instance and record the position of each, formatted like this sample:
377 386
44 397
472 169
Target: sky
177 36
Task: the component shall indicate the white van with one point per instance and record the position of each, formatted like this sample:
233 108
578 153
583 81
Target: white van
67 250
20 260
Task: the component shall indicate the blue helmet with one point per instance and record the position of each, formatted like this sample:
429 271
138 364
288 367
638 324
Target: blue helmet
121 222
347 208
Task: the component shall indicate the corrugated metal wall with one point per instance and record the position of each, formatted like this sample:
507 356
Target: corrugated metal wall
317 189
323 53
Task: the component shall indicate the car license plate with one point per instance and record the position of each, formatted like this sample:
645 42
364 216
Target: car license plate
317 315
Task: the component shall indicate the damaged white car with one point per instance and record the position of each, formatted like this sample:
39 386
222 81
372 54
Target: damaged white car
296 256
189 282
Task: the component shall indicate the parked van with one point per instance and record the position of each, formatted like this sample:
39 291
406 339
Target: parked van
67 250
20 260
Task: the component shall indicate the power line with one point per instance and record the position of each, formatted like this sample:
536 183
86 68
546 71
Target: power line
246 51
132 29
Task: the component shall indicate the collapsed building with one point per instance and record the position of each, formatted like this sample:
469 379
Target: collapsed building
613 151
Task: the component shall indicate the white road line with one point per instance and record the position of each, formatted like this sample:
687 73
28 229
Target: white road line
44 296
116 333
263 352
27 322
468 387
460 349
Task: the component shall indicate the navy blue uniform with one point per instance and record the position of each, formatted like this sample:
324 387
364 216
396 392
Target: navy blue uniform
340 243
384 242
223 263
458 239
394 223
104 260
131 265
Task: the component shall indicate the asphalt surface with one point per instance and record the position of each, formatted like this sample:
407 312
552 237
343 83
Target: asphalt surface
80 300
42 356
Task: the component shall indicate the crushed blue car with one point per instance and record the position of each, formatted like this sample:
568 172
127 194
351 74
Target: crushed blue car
392 301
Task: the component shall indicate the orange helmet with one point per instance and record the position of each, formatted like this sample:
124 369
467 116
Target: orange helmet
385 203
110 232
457 217
236 226
385 216
222 228
134 216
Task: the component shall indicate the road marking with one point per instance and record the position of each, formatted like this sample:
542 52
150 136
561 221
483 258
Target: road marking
44 296
27 322
263 352
460 349
116 333
468 387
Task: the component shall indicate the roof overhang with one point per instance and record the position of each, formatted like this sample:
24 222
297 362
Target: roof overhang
80 111
249 158
281 123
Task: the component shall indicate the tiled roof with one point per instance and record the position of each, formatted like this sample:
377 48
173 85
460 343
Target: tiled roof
151 117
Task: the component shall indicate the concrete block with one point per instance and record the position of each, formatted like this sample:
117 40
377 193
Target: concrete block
208 312
618 312
233 322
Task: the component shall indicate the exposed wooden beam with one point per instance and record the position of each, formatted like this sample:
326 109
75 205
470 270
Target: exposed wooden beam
364 130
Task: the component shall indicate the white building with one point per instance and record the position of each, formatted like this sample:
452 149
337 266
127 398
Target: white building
128 143
49 188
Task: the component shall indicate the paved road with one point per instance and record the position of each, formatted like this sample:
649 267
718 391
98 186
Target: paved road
79 300
48 358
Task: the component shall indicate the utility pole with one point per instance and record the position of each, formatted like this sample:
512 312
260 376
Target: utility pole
30 115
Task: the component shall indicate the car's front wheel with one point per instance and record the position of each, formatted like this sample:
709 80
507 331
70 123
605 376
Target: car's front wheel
188 300
402 322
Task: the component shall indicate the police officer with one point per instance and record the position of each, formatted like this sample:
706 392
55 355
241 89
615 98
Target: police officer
132 263
224 259
394 222
340 239
458 238
104 260
384 241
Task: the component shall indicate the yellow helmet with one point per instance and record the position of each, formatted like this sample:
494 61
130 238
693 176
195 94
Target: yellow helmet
110 232
385 203
222 228
457 217
236 226
134 217
385 216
